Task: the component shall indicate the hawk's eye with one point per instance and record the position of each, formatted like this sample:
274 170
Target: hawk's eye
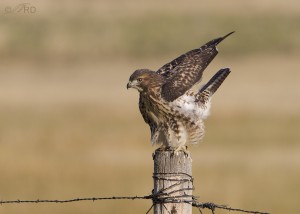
139 79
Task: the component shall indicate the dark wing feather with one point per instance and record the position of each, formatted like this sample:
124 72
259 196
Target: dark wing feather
186 70
167 69
212 85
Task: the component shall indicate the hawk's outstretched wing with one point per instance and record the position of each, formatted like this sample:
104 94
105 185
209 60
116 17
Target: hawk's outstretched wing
186 70
212 85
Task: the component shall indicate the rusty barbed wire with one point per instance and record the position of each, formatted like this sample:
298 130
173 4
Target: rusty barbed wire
74 199
212 207
155 198
163 196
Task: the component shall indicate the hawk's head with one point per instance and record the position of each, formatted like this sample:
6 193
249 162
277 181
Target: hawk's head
144 79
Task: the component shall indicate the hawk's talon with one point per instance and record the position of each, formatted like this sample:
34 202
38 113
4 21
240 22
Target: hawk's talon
183 149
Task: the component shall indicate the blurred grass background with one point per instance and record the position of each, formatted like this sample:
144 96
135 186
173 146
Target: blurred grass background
69 128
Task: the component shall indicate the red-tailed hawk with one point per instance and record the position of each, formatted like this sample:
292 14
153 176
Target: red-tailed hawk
167 103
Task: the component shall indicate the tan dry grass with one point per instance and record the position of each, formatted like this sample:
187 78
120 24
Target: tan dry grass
64 135
65 32
70 154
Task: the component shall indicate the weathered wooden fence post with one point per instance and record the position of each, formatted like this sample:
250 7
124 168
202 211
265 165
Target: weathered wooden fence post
173 184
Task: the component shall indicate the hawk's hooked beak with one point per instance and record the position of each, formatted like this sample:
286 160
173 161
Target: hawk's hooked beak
133 84
129 85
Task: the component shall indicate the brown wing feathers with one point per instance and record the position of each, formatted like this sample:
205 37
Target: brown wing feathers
212 85
186 70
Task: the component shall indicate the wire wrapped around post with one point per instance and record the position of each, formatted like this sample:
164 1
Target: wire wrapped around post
173 182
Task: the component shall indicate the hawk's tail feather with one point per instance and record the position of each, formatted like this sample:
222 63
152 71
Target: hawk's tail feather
216 41
214 83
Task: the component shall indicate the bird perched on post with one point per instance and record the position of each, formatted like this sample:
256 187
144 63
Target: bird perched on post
167 102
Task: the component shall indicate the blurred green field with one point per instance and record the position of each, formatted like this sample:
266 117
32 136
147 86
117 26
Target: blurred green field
69 128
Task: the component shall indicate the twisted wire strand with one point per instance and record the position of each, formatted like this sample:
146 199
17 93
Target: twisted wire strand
161 197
